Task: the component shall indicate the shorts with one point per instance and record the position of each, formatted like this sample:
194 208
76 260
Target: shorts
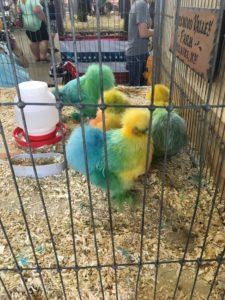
39 35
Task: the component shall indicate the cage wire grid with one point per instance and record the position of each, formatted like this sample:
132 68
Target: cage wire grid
177 87
188 94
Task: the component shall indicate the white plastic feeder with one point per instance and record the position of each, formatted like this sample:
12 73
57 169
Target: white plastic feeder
41 120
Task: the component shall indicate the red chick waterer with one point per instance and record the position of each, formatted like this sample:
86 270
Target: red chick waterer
42 120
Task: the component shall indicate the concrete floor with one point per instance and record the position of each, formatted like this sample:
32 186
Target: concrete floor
37 70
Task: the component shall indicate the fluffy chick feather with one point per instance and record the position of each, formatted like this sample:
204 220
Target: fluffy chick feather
126 149
161 95
175 127
169 135
114 114
89 89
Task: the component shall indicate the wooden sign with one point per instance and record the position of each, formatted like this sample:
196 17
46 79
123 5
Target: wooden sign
196 39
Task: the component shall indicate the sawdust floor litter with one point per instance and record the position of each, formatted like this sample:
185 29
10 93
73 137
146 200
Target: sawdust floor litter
110 23
180 193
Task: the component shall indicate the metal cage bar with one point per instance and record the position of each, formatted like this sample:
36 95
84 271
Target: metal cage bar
198 149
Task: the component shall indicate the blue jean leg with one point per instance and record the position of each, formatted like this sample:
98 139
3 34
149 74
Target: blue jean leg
136 66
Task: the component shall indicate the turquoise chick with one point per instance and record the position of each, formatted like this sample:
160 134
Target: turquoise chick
176 137
126 149
89 89
168 136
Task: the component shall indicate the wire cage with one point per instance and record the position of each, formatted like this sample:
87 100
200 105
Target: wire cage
113 25
61 237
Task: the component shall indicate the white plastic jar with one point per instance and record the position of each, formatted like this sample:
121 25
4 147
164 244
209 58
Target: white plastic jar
40 119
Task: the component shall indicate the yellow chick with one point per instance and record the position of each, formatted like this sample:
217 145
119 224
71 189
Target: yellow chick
161 95
148 72
114 114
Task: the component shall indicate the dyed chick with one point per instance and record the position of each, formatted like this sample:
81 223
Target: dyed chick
148 70
89 89
113 115
169 135
126 153
161 95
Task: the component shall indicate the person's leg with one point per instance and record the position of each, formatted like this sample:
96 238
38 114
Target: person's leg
43 41
135 67
53 26
53 42
43 49
34 46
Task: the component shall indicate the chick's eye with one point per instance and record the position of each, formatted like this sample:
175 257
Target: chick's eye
135 130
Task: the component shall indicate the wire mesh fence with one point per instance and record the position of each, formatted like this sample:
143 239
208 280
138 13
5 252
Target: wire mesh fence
63 238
